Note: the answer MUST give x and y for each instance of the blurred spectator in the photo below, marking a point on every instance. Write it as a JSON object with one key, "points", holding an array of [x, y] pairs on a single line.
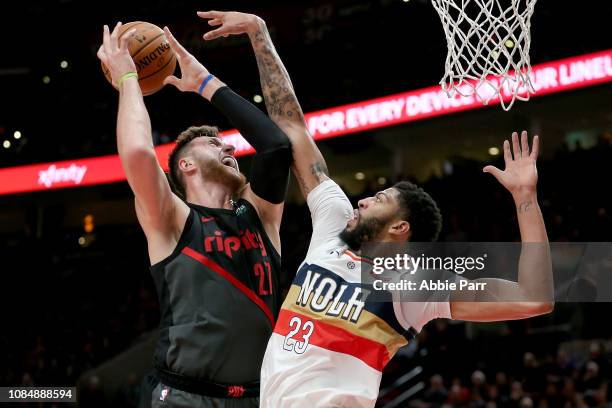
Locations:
{"points": [[533, 378], [129, 395], [516, 393], [590, 379], [526, 402], [93, 396], [596, 355], [437, 393]]}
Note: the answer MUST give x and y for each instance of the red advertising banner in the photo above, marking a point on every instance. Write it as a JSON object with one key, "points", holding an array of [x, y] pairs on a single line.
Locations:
{"points": [[552, 77]]}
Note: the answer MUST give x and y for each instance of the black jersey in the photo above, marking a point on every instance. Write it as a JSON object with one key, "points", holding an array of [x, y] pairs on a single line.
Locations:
{"points": [[218, 295]]}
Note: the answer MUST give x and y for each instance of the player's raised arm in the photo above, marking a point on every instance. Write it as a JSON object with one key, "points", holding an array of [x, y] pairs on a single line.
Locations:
{"points": [[283, 107], [533, 294], [156, 205], [270, 167]]}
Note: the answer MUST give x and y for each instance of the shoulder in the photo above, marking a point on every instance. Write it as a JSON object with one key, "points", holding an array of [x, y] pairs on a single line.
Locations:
{"points": [[327, 190], [169, 226], [330, 248], [248, 212]]}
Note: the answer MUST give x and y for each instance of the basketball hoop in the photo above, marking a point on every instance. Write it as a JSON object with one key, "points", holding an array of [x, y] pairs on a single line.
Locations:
{"points": [[488, 49]]}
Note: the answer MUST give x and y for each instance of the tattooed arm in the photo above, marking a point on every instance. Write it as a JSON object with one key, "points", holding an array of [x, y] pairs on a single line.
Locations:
{"points": [[533, 294], [283, 107]]}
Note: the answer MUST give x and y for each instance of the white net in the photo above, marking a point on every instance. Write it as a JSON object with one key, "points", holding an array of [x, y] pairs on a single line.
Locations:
{"points": [[488, 49]]}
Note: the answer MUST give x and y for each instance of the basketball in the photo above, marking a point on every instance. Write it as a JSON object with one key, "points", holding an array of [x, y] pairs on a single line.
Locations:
{"points": [[151, 53]]}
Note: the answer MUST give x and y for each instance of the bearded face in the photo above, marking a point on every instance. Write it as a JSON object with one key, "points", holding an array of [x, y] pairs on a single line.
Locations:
{"points": [[223, 170], [215, 162], [371, 219], [363, 229]]}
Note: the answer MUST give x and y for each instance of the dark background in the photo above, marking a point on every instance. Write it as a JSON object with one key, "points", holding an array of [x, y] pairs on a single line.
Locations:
{"points": [[337, 52], [67, 307]]}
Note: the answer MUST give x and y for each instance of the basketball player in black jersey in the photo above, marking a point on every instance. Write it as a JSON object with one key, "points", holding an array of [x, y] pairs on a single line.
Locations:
{"points": [[215, 262]]}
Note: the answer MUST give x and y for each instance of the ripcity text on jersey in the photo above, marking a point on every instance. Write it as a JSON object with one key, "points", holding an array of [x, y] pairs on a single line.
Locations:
{"points": [[218, 297]]}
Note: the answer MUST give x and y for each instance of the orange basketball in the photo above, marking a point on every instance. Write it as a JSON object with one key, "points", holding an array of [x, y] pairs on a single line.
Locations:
{"points": [[151, 53]]}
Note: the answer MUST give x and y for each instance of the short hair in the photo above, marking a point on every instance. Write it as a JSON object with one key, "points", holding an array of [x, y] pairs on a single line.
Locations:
{"points": [[175, 176], [420, 210]]}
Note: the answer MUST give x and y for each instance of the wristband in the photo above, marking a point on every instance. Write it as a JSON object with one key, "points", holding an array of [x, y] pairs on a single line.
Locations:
{"points": [[126, 76], [205, 82]]}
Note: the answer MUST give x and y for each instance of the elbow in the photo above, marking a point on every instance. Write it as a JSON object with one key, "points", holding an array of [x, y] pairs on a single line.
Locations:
{"points": [[541, 308], [549, 307], [281, 152], [284, 143], [276, 141], [293, 128]]}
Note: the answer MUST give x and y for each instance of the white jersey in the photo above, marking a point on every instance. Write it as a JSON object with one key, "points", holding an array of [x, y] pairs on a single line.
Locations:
{"points": [[329, 347]]}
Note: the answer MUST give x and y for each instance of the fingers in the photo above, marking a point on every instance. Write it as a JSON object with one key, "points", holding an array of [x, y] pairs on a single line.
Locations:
{"points": [[219, 32], [210, 14], [125, 38], [101, 54], [106, 39], [524, 144], [516, 150], [215, 22], [497, 173], [175, 45], [113, 37], [116, 29], [507, 154], [535, 148]]}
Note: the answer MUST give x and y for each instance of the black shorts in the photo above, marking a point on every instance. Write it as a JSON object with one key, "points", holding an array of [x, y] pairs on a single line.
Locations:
{"points": [[154, 394]]}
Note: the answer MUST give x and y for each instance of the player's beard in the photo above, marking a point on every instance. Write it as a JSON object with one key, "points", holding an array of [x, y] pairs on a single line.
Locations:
{"points": [[217, 171], [364, 231]]}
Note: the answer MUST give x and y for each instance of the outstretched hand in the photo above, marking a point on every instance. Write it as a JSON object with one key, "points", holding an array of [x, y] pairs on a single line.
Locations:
{"points": [[114, 52], [229, 23], [192, 71], [520, 174]]}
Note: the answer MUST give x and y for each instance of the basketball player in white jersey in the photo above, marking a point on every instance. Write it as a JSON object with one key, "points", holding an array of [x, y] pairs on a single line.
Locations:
{"points": [[329, 346]]}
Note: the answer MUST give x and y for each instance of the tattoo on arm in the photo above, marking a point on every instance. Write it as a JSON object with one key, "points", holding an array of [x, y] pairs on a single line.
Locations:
{"points": [[319, 170], [281, 102], [524, 207]]}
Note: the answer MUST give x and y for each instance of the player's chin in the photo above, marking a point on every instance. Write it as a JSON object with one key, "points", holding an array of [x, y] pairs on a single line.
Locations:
{"points": [[351, 224], [229, 175], [232, 172], [238, 180]]}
